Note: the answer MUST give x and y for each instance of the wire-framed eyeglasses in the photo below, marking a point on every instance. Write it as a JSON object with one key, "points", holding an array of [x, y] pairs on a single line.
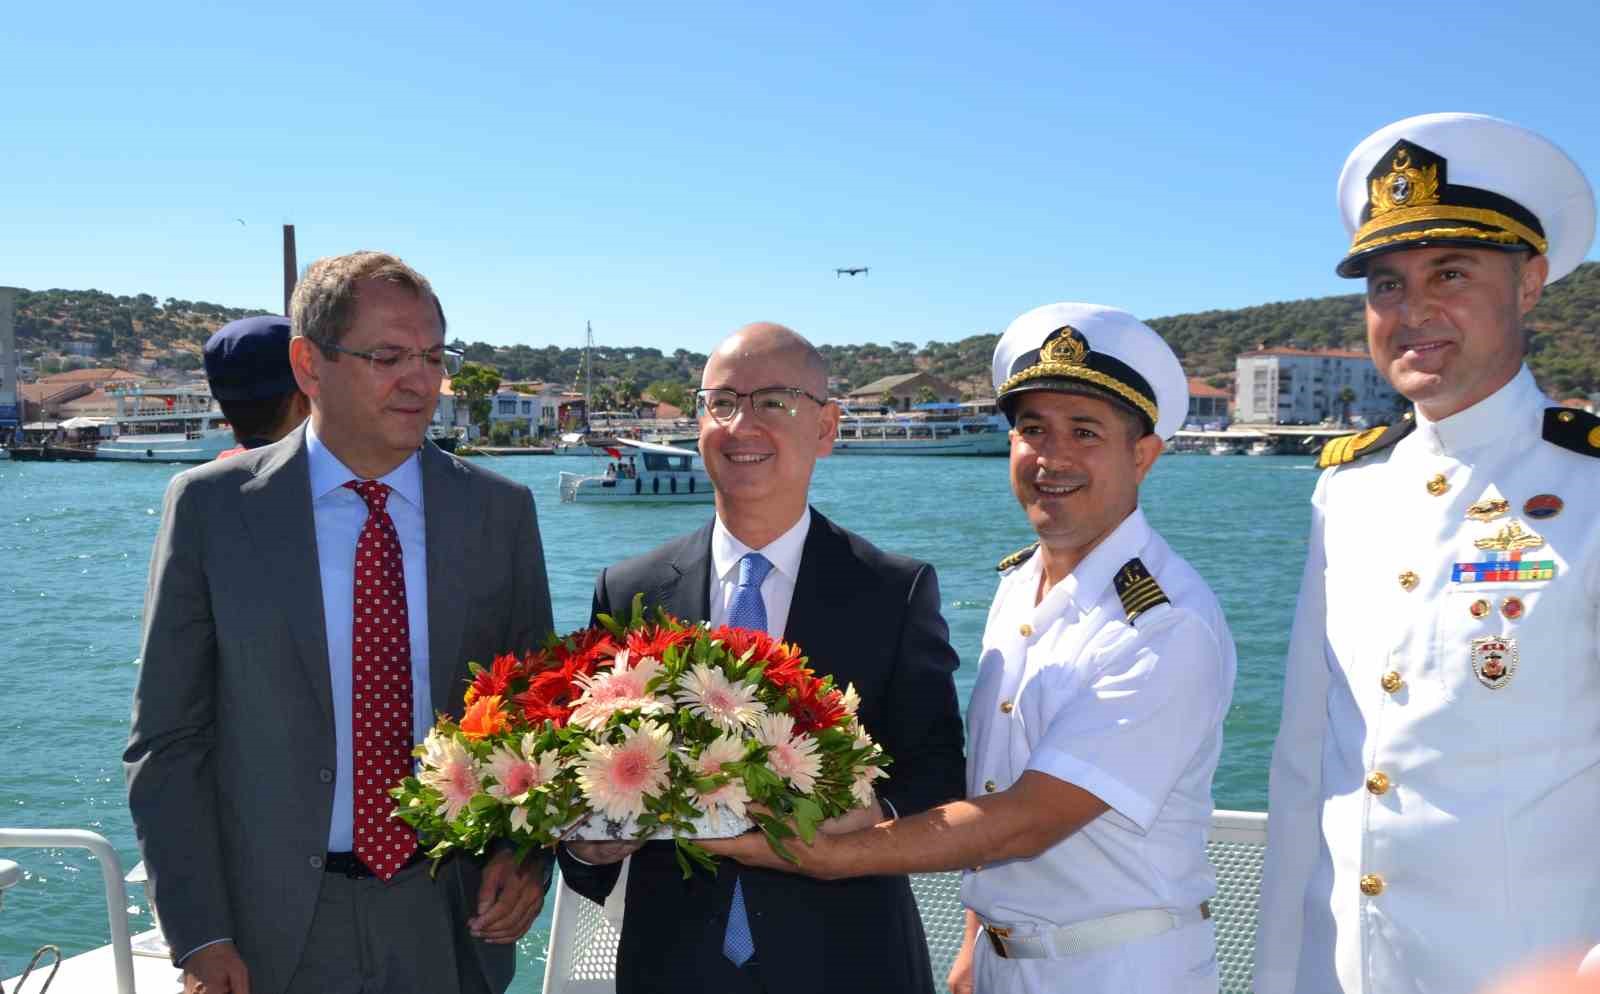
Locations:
{"points": [[387, 359], [769, 403]]}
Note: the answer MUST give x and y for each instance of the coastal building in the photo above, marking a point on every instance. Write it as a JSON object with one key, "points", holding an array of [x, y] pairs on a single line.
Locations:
{"points": [[1290, 385], [530, 408], [10, 401], [1208, 404], [902, 391], [451, 414]]}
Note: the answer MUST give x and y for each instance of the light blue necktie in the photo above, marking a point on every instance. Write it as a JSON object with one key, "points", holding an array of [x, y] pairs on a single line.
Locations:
{"points": [[746, 611]]}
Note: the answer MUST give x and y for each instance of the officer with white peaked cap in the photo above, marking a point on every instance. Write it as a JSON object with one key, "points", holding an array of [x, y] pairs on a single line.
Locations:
{"points": [[1436, 779], [1096, 721]]}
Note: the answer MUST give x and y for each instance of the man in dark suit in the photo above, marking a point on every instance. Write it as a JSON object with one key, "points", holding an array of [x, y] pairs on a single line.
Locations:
{"points": [[865, 616], [311, 604]]}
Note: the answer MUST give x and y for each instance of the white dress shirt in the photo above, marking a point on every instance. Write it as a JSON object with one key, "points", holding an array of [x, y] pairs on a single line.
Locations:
{"points": [[777, 589], [340, 514]]}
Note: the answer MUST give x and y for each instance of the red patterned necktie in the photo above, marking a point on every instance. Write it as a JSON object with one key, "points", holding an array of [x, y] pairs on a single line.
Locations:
{"points": [[381, 684]]}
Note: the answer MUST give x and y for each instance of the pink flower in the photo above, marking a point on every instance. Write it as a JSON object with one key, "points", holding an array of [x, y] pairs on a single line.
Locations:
{"points": [[710, 694], [731, 796], [793, 757], [616, 778], [620, 688], [448, 768], [518, 771]]}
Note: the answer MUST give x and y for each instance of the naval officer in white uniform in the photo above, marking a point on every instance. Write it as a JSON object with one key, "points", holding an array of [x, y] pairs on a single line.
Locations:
{"points": [[1096, 721], [1435, 788]]}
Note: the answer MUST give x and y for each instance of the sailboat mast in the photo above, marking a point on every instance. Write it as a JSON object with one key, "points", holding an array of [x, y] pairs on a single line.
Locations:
{"points": [[588, 367]]}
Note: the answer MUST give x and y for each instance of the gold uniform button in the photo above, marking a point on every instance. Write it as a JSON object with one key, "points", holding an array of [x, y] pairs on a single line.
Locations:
{"points": [[1377, 782], [1408, 580], [1438, 485], [1594, 438], [1006, 706], [1026, 630], [1392, 682], [1371, 884], [988, 786]]}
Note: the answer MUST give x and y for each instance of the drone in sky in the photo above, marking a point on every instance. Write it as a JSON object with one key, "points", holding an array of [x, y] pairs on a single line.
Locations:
{"points": [[850, 271]]}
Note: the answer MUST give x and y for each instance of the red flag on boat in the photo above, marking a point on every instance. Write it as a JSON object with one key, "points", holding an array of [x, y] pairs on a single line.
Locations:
{"points": [[613, 453]]}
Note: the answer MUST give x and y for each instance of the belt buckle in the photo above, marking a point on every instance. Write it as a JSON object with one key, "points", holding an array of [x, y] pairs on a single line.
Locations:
{"points": [[998, 934]]}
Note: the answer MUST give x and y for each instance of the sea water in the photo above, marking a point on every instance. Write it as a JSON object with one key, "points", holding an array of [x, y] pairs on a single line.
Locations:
{"points": [[75, 543]]}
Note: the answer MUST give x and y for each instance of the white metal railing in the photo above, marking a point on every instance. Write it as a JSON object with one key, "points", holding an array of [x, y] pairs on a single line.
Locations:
{"points": [[583, 942], [110, 872]]}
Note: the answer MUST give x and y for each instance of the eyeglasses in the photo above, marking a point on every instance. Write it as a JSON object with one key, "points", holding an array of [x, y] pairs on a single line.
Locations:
{"points": [[768, 403], [387, 359]]}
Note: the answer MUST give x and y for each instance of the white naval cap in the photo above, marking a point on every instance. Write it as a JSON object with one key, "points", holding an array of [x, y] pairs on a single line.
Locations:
{"points": [[1464, 179], [1076, 348]]}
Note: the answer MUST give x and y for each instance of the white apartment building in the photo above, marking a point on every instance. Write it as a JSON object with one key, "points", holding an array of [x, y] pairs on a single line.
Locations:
{"points": [[1288, 385], [528, 413]]}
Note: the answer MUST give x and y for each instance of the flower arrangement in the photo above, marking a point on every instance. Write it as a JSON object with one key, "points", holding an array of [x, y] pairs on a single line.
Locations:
{"points": [[651, 728]]}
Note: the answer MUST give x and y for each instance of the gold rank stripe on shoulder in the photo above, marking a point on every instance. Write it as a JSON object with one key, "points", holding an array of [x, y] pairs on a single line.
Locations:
{"points": [[1017, 558], [1137, 589], [1577, 431], [1349, 448]]}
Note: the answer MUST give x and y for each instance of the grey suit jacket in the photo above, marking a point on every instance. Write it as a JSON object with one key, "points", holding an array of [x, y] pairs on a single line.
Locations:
{"points": [[231, 755]]}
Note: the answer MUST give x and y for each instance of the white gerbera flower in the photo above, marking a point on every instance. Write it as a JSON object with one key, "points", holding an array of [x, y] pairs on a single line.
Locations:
{"points": [[616, 778], [448, 768], [793, 757], [620, 688], [710, 694]]}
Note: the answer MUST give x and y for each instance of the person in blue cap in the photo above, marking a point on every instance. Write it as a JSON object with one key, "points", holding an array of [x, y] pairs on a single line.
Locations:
{"points": [[247, 366]]}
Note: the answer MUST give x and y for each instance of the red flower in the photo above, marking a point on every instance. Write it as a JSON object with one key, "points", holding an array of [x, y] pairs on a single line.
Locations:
{"points": [[495, 680], [813, 708], [656, 639]]}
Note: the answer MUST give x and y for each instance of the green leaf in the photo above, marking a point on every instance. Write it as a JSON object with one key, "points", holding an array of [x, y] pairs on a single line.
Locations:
{"points": [[611, 625], [807, 816]]}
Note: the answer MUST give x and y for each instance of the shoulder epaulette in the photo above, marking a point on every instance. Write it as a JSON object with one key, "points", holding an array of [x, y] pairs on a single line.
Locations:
{"points": [[1572, 429], [1137, 589], [1017, 558], [1349, 448]]}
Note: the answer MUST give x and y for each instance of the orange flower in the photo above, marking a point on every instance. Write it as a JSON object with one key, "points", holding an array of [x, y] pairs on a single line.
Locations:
{"points": [[484, 718]]}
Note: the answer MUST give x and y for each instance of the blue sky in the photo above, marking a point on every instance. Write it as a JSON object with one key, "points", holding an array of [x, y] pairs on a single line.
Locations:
{"points": [[672, 171]]}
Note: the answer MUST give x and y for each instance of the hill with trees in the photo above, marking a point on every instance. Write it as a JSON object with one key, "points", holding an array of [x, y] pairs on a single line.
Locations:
{"points": [[1564, 348]]}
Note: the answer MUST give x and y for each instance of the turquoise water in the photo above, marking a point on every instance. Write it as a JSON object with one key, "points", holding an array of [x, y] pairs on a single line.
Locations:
{"points": [[75, 543]]}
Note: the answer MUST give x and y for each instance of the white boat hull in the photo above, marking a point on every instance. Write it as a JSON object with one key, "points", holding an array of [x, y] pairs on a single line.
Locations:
{"points": [[166, 448], [969, 445], [646, 489]]}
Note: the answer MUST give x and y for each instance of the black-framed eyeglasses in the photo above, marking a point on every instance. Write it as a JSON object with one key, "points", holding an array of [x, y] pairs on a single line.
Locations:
{"points": [[387, 359], [768, 403]]}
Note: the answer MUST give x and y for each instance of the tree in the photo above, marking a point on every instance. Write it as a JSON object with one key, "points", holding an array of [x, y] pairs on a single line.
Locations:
{"points": [[1346, 397], [628, 395], [475, 383], [925, 395], [669, 392], [887, 399]]}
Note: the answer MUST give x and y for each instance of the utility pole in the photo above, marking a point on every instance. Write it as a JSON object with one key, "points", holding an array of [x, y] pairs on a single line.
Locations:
{"points": [[290, 270]]}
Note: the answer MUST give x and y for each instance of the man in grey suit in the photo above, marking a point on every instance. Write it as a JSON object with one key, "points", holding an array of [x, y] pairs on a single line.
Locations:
{"points": [[312, 603]]}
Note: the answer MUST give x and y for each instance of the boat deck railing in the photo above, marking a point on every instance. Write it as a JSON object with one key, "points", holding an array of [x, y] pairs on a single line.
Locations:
{"points": [[583, 943]]}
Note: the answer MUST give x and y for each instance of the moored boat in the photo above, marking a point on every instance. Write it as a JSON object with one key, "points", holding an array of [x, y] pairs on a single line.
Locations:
{"points": [[646, 473], [165, 424], [924, 433]]}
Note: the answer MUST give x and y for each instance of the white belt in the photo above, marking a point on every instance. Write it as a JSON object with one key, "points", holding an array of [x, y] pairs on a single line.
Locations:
{"points": [[1031, 942]]}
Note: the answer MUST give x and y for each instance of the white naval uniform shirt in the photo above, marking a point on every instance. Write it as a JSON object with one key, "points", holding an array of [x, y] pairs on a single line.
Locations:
{"points": [[1483, 830], [1132, 714]]}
